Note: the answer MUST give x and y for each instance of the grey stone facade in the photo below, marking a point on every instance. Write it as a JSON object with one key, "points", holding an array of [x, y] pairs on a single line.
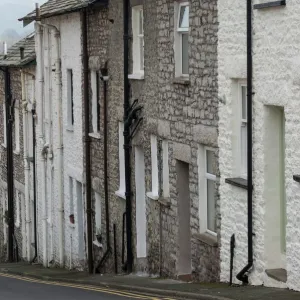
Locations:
{"points": [[185, 115]]}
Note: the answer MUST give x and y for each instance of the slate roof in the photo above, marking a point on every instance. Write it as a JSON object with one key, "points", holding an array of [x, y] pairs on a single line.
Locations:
{"points": [[13, 58], [59, 7]]}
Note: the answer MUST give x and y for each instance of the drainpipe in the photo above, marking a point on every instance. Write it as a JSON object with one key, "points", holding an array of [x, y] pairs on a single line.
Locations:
{"points": [[87, 141], [127, 138], [60, 142], [10, 171], [242, 276], [26, 167], [105, 78]]}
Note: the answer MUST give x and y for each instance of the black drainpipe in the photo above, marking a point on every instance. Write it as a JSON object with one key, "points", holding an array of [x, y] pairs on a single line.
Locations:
{"points": [[34, 185], [10, 165], [87, 141], [242, 276], [104, 77], [127, 138]]}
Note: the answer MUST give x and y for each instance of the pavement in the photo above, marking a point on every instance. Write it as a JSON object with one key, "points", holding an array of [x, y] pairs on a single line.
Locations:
{"points": [[130, 284]]}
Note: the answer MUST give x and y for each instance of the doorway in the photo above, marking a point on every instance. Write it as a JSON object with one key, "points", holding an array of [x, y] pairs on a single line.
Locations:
{"points": [[184, 211], [274, 189]]}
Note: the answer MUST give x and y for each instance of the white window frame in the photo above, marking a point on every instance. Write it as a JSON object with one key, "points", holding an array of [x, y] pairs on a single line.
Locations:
{"points": [[138, 43], [122, 189], [154, 194], [178, 33], [17, 128], [70, 100], [95, 102], [203, 177], [166, 179], [4, 144], [98, 215], [243, 123]]}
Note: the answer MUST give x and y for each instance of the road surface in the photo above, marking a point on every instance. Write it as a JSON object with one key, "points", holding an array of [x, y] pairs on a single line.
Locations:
{"points": [[22, 288]]}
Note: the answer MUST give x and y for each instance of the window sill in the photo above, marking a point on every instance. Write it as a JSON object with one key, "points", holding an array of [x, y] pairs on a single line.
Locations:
{"points": [[238, 182], [136, 76], [17, 224], [207, 239], [70, 128], [183, 80], [164, 201], [97, 244], [16, 152], [152, 196], [72, 226], [3, 145], [95, 135], [121, 194]]}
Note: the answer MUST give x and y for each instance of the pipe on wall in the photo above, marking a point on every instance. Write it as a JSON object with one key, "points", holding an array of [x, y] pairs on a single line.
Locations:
{"points": [[242, 276], [127, 138], [88, 184]]}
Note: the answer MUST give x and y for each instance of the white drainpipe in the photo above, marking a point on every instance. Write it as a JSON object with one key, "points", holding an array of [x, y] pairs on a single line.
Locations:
{"points": [[26, 168], [60, 140]]}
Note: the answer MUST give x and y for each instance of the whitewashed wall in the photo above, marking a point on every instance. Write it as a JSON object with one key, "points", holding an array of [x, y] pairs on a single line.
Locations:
{"points": [[276, 82]]}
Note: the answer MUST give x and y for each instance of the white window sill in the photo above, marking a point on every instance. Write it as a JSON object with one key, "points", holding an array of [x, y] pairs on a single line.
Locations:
{"points": [[97, 244], [121, 194], [153, 196], [95, 135], [183, 80], [17, 152], [17, 224], [137, 76], [71, 225], [70, 128], [3, 145], [207, 238]]}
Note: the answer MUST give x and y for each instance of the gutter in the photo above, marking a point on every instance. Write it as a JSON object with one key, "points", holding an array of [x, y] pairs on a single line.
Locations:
{"points": [[242, 276]]}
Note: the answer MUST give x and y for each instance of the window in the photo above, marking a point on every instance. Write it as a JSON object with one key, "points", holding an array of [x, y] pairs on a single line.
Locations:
{"points": [[165, 153], [95, 102], [70, 99], [17, 211], [207, 180], [17, 129], [138, 42], [4, 125], [244, 128], [154, 164], [181, 37], [121, 191], [71, 193], [98, 213]]}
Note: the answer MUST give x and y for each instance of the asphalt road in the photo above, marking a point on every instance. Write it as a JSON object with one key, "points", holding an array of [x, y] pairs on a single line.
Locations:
{"points": [[20, 288]]}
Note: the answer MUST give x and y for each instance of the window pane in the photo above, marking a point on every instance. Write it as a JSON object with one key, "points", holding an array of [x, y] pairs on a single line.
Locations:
{"points": [[142, 53], [211, 206], [184, 17], [185, 54], [244, 148], [210, 162], [141, 21], [244, 102]]}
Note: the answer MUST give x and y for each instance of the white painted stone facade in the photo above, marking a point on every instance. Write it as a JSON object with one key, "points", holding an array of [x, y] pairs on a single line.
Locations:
{"points": [[69, 27], [276, 83]]}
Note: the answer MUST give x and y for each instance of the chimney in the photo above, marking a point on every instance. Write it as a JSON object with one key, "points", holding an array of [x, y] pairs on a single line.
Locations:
{"points": [[37, 12], [22, 52], [5, 49]]}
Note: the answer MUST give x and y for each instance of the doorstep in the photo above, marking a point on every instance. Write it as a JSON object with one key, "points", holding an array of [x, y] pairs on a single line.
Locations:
{"points": [[277, 274]]}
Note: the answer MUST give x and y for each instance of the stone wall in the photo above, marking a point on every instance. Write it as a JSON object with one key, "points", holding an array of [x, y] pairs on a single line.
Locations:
{"points": [[185, 115]]}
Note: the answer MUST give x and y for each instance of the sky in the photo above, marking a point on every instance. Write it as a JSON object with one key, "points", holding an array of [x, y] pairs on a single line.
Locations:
{"points": [[12, 10]]}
